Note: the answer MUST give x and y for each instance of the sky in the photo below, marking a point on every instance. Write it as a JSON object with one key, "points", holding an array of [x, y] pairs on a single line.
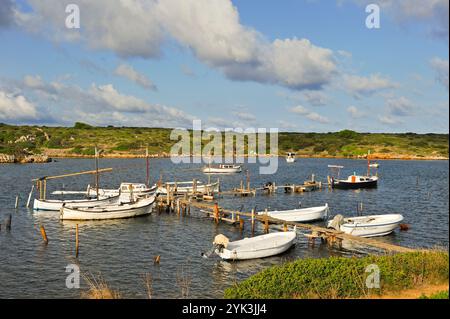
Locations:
{"points": [[295, 65]]}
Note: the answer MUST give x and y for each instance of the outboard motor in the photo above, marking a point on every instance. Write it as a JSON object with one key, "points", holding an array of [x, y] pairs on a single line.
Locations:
{"points": [[336, 222]]}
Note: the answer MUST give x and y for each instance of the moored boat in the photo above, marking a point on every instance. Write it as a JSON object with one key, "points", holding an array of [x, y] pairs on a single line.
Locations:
{"points": [[223, 169], [256, 247], [55, 204], [300, 215], [290, 158], [142, 206], [188, 187], [355, 182], [366, 226]]}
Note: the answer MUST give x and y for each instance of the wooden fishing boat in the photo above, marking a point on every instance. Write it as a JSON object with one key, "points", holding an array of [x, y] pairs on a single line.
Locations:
{"points": [[300, 214], [256, 247], [124, 188], [188, 187], [355, 181], [290, 158], [366, 226], [223, 169], [55, 205], [142, 206]]}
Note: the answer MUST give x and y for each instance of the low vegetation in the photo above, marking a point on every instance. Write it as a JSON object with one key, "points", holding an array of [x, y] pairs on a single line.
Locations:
{"points": [[339, 277], [81, 139]]}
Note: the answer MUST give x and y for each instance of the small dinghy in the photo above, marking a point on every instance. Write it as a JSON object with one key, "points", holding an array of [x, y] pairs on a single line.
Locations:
{"points": [[140, 207], [55, 205], [255, 247], [366, 226], [300, 214], [290, 157]]}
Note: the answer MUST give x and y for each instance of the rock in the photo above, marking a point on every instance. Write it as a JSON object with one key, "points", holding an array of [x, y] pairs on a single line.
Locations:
{"points": [[4, 158], [36, 159]]}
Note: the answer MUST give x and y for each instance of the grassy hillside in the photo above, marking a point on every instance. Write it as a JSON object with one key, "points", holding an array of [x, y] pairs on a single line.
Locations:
{"points": [[81, 139], [339, 277]]}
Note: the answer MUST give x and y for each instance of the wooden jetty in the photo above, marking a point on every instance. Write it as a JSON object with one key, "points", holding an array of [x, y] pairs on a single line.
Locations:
{"points": [[330, 236]]}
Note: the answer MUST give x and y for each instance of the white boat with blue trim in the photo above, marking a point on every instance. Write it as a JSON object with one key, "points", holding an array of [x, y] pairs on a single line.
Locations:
{"points": [[366, 226], [299, 215]]}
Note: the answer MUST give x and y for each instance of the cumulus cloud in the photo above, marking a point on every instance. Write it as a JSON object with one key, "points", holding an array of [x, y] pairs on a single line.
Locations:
{"points": [[355, 112], [210, 29], [360, 86], [128, 72], [400, 106], [440, 66], [432, 13], [100, 101], [313, 116], [16, 107]]}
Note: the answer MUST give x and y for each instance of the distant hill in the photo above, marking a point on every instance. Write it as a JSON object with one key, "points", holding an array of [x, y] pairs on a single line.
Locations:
{"points": [[81, 139]]}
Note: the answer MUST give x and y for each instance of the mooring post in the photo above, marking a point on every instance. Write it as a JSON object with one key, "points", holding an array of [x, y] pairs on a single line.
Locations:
{"points": [[44, 234], [76, 241], [29, 195], [216, 212], [285, 228], [178, 207], [266, 223], [253, 220], [8, 222], [17, 202]]}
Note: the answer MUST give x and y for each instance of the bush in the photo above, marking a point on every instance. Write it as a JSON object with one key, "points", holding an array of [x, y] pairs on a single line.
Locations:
{"points": [[80, 125], [340, 277]]}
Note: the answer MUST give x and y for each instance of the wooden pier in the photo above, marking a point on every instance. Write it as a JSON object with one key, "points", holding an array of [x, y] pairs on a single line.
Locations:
{"points": [[330, 236]]}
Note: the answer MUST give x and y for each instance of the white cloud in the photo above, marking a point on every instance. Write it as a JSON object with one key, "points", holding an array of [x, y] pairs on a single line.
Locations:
{"points": [[14, 107], [128, 72], [245, 116], [315, 98], [388, 120], [354, 112], [432, 13], [365, 86], [400, 106], [313, 116], [441, 67], [209, 28]]}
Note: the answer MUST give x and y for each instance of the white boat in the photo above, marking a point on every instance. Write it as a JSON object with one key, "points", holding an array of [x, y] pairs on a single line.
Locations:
{"points": [[300, 214], [223, 169], [255, 247], [142, 206], [374, 165], [366, 226], [188, 187], [290, 158], [55, 205], [124, 188]]}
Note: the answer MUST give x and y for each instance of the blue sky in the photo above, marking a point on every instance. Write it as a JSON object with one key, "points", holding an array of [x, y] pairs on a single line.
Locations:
{"points": [[309, 65]]}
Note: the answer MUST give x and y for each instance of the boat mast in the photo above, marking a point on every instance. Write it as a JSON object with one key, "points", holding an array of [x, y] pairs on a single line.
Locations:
{"points": [[368, 163], [96, 171], [147, 168]]}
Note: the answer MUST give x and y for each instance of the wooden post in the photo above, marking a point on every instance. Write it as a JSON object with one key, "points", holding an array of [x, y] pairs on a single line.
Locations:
{"points": [[248, 180], [44, 191], [8, 222], [241, 224], [285, 228], [216, 212], [266, 223], [76, 241], [17, 202], [29, 195], [253, 220], [194, 186], [178, 207], [44, 235]]}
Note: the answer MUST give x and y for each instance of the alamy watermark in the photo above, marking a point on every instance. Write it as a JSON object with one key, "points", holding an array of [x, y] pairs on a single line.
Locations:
{"points": [[373, 277], [73, 17], [73, 279], [212, 145], [373, 19]]}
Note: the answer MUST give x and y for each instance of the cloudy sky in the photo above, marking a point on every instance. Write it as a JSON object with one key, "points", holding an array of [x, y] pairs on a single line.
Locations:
{"points": [[299, 65]]}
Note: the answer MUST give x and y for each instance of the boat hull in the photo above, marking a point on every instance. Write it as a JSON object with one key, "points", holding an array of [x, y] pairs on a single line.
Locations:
{"points": [[300, 215], [355, 185], [103, 213], [214, 188], [55, 205], [215, 170], [374, 229], [280, 245]]}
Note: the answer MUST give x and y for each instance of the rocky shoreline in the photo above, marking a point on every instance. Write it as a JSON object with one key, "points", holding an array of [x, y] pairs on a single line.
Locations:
{"points": [[10, 159]]}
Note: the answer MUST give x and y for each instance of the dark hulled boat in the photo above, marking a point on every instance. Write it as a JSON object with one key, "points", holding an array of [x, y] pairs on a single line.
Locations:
{"points": [[355, 182]]}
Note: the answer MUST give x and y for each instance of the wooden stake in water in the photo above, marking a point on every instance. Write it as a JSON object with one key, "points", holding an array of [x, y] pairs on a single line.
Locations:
{"points": [[216, 213], [29, 195], [17, 202], [253, 220], [44, 235], [76, 241], [8, 222]]}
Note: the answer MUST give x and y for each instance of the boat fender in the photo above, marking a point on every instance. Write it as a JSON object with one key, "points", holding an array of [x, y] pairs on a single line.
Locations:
{"points": [[221, 240]]}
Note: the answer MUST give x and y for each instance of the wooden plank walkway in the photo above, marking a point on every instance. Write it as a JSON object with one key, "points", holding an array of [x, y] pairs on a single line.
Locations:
{"points": [[316, 230]]}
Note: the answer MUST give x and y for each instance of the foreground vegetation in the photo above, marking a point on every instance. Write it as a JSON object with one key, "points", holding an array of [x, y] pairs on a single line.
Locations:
{"points": [[339, 277], [80, 140]]}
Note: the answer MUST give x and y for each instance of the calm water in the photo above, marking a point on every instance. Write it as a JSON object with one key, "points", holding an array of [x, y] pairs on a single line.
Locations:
{"points": [[122, 251]]}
